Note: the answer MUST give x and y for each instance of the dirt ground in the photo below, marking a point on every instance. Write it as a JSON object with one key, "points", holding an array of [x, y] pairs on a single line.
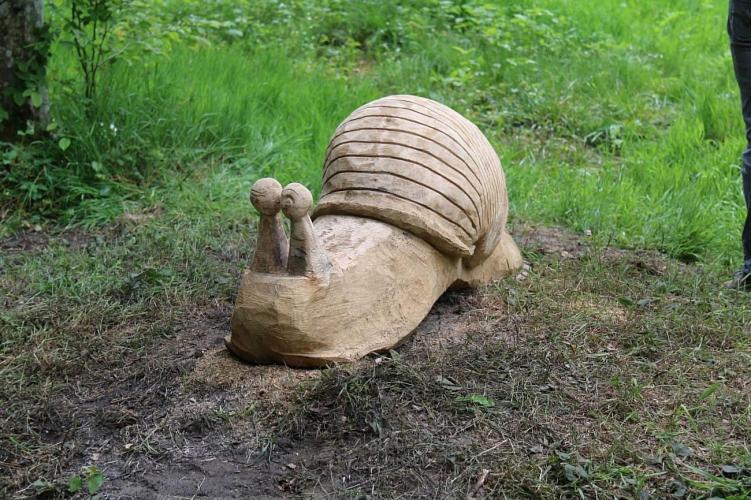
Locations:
{"points": [[186, 419], [507, 391]]}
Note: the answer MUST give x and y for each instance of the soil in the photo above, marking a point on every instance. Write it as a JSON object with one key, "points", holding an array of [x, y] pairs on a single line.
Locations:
{"points": [[182, 418], [34, 241], [160, 422], [155, 425]]}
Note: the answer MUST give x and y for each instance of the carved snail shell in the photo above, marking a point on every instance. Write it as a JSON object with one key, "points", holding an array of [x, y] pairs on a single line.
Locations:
{"points": [[413, 202]]}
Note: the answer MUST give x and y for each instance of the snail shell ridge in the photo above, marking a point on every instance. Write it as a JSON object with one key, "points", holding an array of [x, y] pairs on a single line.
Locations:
{"points": [[418, 165]]}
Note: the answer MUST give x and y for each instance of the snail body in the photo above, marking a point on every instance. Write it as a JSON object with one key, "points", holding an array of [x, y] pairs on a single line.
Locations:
{"points": [[413, 201]]}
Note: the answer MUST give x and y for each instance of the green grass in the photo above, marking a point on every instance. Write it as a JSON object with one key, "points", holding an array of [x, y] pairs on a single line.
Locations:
{"points": [[619, 118], [622, 119], [606, 373]]}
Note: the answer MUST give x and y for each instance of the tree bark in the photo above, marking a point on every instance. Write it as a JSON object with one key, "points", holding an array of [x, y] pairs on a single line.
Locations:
{"points": [[24, 47]]}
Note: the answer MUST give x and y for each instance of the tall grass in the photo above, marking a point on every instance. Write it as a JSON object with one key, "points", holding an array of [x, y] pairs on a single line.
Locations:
{"points": [[619, 117]]}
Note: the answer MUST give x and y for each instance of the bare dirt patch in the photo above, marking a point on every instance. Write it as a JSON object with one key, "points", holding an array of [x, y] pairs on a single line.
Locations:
{"points": [[188, 419], [33, 241], [600, 372]]}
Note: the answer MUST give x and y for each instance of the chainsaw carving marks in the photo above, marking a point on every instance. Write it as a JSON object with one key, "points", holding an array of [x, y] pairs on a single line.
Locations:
{"points": [[413, 201]]}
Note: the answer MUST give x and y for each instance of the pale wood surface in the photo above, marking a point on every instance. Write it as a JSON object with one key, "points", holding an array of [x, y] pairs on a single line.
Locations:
{"points": [[421, 166], [265, 195], [413, 202]]}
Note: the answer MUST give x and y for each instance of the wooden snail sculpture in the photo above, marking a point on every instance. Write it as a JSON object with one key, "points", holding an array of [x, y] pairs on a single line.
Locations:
{"points": [[413, 202]]}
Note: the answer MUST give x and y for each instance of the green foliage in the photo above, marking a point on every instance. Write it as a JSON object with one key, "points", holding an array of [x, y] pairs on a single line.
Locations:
{"points": [[90, 25], [477, 400], [75, 483], [601, 123], [91, 476], [30, 76], [32, 71]]}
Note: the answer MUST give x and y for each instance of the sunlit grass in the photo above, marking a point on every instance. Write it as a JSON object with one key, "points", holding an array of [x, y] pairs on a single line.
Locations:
{"points": [[621, 119]]}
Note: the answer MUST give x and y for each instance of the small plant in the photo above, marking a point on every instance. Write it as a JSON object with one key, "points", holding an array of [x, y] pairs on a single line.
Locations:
{"points": [[91, 476], [90, 24], [476, 400]]}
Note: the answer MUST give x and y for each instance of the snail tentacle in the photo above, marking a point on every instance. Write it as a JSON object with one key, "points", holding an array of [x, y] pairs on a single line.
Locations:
{"points": [[306, 256], [272, 245]]}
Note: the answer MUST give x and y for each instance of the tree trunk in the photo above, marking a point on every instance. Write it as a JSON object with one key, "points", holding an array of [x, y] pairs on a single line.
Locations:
{"points": [[24, 46]]}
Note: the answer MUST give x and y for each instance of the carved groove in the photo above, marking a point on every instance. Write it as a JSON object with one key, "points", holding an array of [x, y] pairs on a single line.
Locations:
{"points": [[404, 177], [349, 155], [439, 116], [467, 129], [402, 198], [463, 146], [456, 120], [405, 160], [343, 132], [424, 125], [428, 164]]}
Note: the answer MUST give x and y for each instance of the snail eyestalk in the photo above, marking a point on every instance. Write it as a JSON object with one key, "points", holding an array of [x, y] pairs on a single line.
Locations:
{"points": [[271, 245], [306, 256]]}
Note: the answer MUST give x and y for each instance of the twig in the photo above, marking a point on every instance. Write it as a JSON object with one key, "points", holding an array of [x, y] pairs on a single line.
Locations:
{"points": [[478, 485]]}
